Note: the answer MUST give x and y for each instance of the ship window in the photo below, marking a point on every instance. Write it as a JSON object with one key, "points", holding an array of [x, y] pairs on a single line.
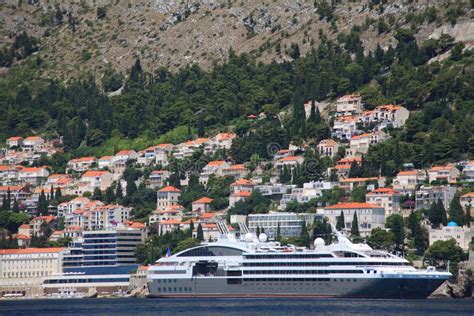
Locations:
{"points": [[211, 251]]}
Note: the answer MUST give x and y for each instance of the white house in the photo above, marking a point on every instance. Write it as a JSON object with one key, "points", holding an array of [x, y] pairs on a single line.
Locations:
{"points": [[407, 181], [33, 175], [213, 167], [387, 198], [462, 235], [344, 127], [125, 155], [359, 144], [447, 173], [468, 171], [350, 104], [369, 216], [163, 153], [328, 148], [32, 143], [158, 178], [96, 179], [105, 162], [290, 161], [167, 197], [202, 205], [15, 141], [81, 164], [385, 115], [238, 196]]}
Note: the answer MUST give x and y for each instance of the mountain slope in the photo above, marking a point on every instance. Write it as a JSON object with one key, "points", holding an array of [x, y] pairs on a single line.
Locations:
{"points": [[77, 38]]}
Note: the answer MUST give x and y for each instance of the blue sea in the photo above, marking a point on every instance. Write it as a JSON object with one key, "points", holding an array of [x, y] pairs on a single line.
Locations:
{"points": [[135, 306]]}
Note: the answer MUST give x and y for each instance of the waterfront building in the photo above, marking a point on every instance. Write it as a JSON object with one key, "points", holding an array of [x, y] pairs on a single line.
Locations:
{"points": [[290, 223], [369, 215], [463, 235]]}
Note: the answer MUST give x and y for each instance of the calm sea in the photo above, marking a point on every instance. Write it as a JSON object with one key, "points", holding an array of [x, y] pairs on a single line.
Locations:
{"points": [[134, 306]]}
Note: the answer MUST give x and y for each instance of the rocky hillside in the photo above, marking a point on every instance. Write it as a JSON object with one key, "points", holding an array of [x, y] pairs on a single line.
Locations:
{"points": [[81, 36]]}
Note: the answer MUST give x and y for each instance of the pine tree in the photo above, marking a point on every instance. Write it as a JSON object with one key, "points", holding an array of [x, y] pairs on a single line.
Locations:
{"points": [[16, 207], [51, 192], [42, 204], [5, 206], [355, 226], [397, 159], [468, 215], [9, 199], [456, 213], [278, 233], [258, 231], [434, 215], [97, 194], [312, 114], [191, 228], [109, 196], [58, 195], [201, 127], [442, 211], [200, 233], [118, 192], [131, 188], [340, 224]]}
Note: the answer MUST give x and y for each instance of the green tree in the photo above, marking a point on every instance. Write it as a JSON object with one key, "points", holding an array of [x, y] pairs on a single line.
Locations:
{"points": [[395, 223], [200, 233], [381, 239], [358, 193], [440, 252], [341, 222], [109, 196], [456, 213], [97, 194], [42, 204], [355, 226], [58, 194], [119, 192]]}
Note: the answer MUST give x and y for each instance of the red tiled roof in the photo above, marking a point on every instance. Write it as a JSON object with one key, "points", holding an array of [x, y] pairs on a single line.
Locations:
{"points": [[82, 159], [203, 200], [30, 250], [94, 173], [242, 194], [384, 191], [169, 188], [215, 163], [32, 138], [242, 182], [170, 222], [124, 152], [11, 187], [358, 179], [14, 138], [291, 158], [352, 205]]}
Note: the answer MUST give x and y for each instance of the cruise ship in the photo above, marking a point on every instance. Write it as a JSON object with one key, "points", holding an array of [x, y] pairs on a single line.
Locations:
{"points": [[255, 267]]}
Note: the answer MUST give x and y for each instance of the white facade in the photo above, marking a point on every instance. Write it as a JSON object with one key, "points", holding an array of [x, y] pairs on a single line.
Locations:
{"points": [[328, 148], [462, 235], [30, 263], [349, 105], [290, 223], [408, 181], [387, 198], [369, 216]]}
